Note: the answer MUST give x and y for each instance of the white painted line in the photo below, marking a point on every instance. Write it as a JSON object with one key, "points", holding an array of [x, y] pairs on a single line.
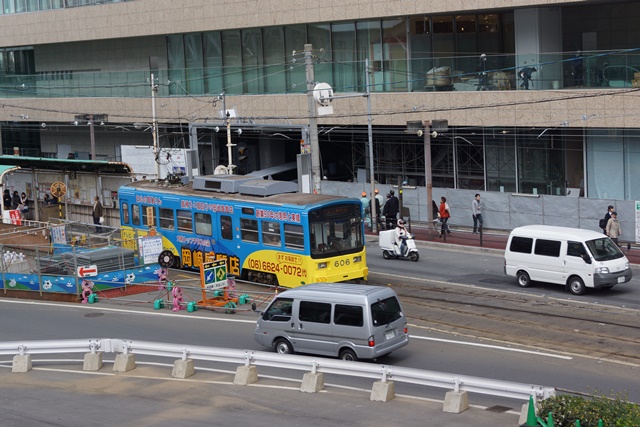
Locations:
{"points": [[97, 307], [496, 347]]}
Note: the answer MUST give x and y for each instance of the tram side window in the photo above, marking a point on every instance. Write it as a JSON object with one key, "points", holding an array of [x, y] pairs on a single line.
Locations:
{"points": [[166, 219], [293, 236], [249, 230], [185, 223], [135, 214], [203, 224], [271, 233], [148, 216], [125, 213], [226, 227]]}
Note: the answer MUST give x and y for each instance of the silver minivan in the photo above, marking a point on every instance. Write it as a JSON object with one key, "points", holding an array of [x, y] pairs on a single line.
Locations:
{"points": [[334, 319]]}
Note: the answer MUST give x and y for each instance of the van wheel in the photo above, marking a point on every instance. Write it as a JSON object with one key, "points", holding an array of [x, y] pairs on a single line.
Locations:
{"points": [[386, 255], [414, 256], [348, 355], [576, 286], [282, 346], [524, 281]]}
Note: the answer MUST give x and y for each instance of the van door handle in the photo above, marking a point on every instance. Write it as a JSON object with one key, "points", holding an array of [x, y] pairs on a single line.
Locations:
{"points": [[293, 325]]}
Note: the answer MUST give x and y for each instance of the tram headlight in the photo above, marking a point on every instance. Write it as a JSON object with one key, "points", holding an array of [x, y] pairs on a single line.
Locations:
{"points": [[357, 258], [322, 265]]}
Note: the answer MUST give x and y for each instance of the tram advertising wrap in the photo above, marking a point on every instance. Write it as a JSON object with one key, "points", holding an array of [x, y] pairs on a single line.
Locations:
{"points": [[285, 239]]}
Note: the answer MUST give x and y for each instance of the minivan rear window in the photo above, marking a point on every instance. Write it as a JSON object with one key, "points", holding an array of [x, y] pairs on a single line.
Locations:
{"points": [[521, 245], [385, 311]]}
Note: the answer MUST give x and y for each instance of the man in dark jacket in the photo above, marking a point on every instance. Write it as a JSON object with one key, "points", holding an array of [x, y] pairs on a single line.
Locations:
{"points": [[97, 214], [390, 210], [525, 76], [605, 220]]}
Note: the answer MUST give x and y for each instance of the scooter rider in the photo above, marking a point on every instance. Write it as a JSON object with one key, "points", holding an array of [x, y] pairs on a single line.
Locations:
{"points": [[401, 236]]}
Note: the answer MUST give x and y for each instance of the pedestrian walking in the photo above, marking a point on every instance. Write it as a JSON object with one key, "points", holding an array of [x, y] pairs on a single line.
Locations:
{"points": [[390, 210], [604, 221], [477, 215], [444, 214], [97, 214], [23, 207], [613, 227], [366, 209]]}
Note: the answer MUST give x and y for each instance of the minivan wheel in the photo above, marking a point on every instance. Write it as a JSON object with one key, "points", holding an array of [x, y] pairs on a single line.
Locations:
{"points": [[348, 355], [282, 346], [576, 286], [524, 281]]}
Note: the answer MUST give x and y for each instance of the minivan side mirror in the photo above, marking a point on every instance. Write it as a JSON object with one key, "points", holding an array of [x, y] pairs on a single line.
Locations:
{"points": [[586, 258]]}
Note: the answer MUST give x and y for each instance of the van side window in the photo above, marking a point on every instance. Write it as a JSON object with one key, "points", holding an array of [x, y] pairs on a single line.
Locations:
{"points": [[316, 312], [521, 244], [547, 247], [385, 311], [576, 249], [348, 315], [279, 310]]}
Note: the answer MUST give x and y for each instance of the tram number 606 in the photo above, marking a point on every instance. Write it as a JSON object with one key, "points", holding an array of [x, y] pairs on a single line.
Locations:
{"points": [[342, 263]]}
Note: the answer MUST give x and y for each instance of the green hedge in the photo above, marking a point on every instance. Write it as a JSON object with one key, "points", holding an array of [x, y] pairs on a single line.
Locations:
{"points": [[614, 411]]}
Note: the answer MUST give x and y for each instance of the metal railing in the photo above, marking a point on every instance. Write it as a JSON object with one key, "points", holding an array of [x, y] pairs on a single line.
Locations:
{"points": [[295, 362]]}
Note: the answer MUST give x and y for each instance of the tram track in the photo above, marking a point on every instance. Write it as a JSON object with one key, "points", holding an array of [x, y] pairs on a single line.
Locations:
{"points": [[569, 326]]}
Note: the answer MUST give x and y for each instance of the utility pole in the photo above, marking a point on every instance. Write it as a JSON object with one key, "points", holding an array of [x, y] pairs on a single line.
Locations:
{"points": [[374, 219], [427, 170], [313, 122], [92, 137], [154, 126]]}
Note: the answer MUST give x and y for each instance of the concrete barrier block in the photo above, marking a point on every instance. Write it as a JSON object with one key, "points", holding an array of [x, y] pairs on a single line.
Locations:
{"points": [[21, 363], [246, 375], [124, 362], [456, 402], [92, 361], [383, 391], [312, 382], [183, 368]]}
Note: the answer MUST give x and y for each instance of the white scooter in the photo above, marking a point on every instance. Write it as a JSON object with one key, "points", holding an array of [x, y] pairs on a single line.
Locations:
{"points": [[390, 249]]}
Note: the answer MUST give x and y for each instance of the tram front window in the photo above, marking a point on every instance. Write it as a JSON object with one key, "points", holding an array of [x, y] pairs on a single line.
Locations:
{"points": [[336, 237]]}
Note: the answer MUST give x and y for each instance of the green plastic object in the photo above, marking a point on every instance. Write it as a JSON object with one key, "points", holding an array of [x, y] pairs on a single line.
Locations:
{"points": [[230, 307], [191, 307], [218, 293], [158, 304], [243, 299], [169, 286], [93, 298]]}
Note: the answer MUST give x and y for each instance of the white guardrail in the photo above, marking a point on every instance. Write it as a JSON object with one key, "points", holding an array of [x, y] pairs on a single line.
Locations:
{"points": [[383, 373]]}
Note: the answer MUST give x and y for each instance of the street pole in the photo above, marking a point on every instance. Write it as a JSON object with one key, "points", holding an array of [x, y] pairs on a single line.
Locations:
{"points": [[154, 126], [313, 122], [427, 170], [230, 166], [370, 135], [92, 137]]}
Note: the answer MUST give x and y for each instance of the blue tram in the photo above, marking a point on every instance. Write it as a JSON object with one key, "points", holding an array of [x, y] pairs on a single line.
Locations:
{"points": [[266, 232]]}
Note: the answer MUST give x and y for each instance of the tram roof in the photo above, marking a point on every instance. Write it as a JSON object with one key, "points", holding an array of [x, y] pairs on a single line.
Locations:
{"points": [[90, 166], [300, 199]]}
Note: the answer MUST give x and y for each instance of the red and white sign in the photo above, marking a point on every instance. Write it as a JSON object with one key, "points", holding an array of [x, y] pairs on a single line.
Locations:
{"points": [[11, 217], [88, 271]]}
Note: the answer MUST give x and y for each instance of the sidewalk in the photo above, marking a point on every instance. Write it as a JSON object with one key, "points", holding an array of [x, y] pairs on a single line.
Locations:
{"points": [[489, 239]]}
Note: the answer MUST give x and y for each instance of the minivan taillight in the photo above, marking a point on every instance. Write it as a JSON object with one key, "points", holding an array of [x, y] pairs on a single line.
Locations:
{"points": [[372, 341], [406, 329]]}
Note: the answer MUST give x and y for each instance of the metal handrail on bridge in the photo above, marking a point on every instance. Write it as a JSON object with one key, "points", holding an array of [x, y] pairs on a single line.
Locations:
{"points": [[383, 373]]}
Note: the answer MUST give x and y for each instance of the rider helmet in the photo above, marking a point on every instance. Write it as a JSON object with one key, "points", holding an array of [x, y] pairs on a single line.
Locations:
{"points": [[401, 222]]}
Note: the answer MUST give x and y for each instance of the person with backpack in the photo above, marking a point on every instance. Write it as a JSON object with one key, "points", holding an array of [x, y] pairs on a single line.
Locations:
{"points": [[604, 221]]}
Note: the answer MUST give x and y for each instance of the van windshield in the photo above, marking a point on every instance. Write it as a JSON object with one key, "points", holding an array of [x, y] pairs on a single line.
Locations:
{"points": [[385, 311], [604, 249]]}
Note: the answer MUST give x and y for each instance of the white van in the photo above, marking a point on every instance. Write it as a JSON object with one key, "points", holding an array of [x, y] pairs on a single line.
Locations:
{"points": [[334, 319], [573, 257]]}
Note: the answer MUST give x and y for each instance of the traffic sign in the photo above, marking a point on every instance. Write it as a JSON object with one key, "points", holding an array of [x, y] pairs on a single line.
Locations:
{"points": [[213, 275], [88, 271]]}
